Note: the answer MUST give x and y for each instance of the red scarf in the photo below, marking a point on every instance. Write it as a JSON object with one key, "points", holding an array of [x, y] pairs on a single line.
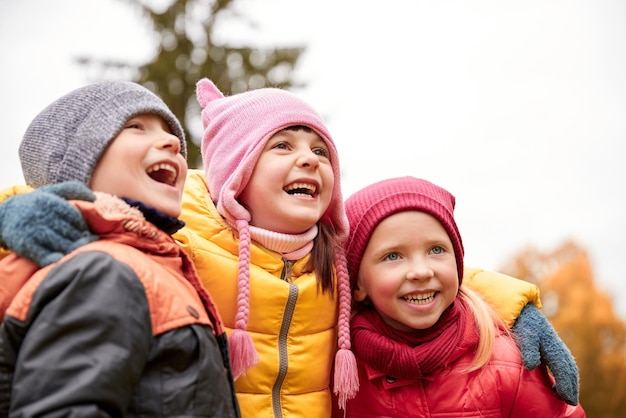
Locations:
{"points": [[415, 354]]}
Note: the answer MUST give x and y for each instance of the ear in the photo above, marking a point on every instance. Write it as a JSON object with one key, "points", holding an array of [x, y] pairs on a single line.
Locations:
{"points": [[359, 291]]}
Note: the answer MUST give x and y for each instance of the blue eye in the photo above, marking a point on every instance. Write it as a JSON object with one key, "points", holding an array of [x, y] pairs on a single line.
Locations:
{"points": [[437, 250], [392, 256]]}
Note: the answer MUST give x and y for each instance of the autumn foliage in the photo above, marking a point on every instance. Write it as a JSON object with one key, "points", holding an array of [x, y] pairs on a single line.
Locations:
{"points": [[585, 319]]}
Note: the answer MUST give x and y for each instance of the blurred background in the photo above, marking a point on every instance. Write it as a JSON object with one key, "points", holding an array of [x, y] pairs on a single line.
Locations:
{"points": [[517, 107]]}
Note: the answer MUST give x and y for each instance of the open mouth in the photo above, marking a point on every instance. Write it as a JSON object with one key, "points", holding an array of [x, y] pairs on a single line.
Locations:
{"points": [[163, 173], [301, 189]]}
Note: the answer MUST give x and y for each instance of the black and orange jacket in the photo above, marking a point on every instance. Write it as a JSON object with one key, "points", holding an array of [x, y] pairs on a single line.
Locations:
{"points": [[119, 327]]}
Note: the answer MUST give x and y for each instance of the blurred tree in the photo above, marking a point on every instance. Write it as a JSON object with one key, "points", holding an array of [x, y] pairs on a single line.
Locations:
{"points": [[585, 319], [187, 50]]}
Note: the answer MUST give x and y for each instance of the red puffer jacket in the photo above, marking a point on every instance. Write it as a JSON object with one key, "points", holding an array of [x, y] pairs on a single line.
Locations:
{"points": [[503, 388]]}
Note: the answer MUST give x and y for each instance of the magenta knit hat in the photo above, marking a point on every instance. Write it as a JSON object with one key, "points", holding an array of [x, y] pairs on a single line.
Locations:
{"points": [[236, 129], [370, 205]]}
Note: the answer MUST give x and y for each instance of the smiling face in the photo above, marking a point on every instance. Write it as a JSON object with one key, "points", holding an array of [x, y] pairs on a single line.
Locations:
{"points": [[143, 163], [408, 271], [292, 182]]}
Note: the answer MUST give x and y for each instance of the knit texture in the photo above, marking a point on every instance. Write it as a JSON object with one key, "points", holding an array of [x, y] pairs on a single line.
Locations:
{"points": [[236, 129], [418, 353], [66, 140], [369, 206]]}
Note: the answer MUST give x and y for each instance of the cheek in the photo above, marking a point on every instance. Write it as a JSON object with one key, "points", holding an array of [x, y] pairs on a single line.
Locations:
{"points": [[330, 179], [183, 167], [383, 288], [329, 188], [371, 283], [450, 276]]}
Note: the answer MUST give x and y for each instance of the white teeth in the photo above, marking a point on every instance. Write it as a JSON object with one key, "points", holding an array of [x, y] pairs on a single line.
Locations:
{"points": [[420, 299], [161, 166], [302, 186]]}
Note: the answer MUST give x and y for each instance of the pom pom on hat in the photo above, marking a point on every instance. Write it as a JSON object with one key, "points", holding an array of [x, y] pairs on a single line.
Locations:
{"points": [[66, 140], [236, 129], [370, 205]]}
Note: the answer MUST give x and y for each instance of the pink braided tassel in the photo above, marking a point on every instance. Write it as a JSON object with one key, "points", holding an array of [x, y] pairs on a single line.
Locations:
{"points": [[242, 352], [346, 383]]}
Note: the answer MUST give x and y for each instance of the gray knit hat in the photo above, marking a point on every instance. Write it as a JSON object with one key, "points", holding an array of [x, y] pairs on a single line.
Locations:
{"points": [[66, 140]]}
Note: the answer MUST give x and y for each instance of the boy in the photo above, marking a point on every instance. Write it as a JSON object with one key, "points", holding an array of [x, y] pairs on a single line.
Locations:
{"points": [[120, 326]]}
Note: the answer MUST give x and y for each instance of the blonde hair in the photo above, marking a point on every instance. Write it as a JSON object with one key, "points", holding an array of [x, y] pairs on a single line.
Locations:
{"points": [[489, 325]]}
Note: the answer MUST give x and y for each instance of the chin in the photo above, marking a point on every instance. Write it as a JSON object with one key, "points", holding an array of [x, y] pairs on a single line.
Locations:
{"points": [[174, 213], [173, 210]]}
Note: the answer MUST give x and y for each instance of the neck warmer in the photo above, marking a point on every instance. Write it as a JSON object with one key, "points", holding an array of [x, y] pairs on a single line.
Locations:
{"points": [[291, 246], [415, 354], [165, 223]]}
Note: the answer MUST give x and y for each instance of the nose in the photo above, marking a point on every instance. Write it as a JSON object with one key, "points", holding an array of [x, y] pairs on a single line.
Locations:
{"points": [[307, 158], [170, 142], [419, 270]]}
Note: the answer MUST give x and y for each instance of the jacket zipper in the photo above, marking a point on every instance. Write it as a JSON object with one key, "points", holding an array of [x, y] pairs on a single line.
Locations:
{"points": [[282, 337]]}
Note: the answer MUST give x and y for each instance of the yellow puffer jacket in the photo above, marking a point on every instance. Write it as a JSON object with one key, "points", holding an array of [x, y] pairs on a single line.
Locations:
{"points": [[12, 190], [292, 325], [506, 294]]}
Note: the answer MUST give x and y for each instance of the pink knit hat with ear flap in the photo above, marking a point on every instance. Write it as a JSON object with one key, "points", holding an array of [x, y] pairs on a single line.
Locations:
{"points": [[236, 129]]}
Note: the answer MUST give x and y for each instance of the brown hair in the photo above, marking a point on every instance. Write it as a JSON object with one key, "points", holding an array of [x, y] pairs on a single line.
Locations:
{"points": [[322, 258]]}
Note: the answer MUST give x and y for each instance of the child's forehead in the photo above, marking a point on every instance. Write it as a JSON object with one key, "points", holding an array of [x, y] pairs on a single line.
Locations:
{"points": [[409, 216], [288, 130], [154, 117], [151, 116]]}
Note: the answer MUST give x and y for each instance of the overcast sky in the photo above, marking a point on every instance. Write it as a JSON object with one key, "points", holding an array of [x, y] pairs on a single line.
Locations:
{"points": [[517, 107]]}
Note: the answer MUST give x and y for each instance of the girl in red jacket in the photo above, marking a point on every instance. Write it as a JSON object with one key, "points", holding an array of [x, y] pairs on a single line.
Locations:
{"points": [[427, 346]]}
